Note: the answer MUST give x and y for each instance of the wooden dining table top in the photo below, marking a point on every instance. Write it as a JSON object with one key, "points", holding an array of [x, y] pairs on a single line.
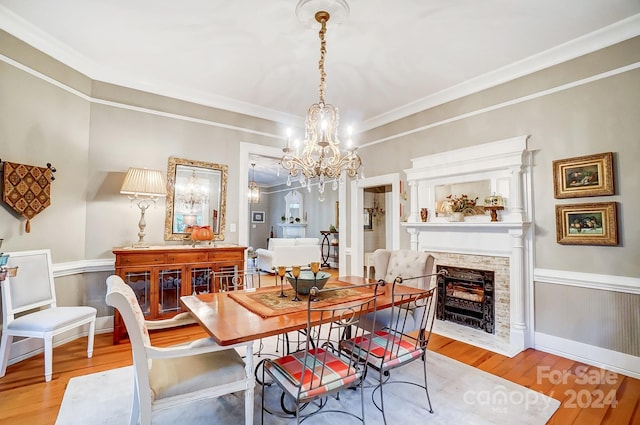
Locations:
{"points": [[228, 322]]}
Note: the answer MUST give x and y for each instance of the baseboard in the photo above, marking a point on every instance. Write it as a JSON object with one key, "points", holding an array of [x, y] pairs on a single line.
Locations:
{"points": [[29, 347], [614, 361]]}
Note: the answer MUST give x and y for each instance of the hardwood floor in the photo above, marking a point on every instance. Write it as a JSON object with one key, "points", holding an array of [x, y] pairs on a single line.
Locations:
{"points": [[589, 395]]}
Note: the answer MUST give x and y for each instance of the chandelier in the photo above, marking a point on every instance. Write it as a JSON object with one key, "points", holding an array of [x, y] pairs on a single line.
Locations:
{"points": [[254, 190], [193, 196], [321, 156]]}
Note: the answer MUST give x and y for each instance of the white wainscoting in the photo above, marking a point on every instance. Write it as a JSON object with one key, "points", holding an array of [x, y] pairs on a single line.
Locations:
{"points": [[597, 356]]}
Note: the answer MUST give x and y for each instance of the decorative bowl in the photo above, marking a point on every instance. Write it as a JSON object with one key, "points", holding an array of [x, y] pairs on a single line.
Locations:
{"points": [[306, 281]]}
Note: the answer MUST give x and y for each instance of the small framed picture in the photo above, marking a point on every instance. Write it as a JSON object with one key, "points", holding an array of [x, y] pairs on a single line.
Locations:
{"points": [[587, 224], [257, 216], [590, 175]]}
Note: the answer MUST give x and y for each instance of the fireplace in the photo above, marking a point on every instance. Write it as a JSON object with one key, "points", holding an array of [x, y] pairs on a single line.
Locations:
{"points": [[497, 314], [466, 297]]}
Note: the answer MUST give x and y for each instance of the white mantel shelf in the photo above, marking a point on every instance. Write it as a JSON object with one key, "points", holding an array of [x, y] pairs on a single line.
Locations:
{"points": [[293, 230], [468, 237], [467, 225]]}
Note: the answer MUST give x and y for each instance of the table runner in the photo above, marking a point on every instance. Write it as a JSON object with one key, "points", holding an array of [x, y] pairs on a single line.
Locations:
{"points": [[266, 302]]}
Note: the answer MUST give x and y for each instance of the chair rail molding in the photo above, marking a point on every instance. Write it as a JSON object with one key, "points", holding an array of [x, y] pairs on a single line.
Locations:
{"points": [[83, 266], [604, 282]]}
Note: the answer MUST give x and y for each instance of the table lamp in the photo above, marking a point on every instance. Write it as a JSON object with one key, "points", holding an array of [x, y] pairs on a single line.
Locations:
{"points": [[144, 186]]}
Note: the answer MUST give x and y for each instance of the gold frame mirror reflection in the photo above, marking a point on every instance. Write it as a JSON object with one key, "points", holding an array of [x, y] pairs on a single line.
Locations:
{"points": [[196, 196]]}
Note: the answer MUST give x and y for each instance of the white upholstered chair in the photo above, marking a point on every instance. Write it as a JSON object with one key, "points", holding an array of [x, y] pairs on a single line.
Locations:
{"points": [[170, 376], [405, 263], [29, 308]]}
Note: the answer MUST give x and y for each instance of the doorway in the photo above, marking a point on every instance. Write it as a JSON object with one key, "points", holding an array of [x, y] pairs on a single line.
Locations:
{"points": [[247, 152], [365, 218], [375, 200]]}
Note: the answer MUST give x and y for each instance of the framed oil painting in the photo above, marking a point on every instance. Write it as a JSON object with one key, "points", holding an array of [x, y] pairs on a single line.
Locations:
{"points": [[257, 216], [587, 224], [582, 176]]}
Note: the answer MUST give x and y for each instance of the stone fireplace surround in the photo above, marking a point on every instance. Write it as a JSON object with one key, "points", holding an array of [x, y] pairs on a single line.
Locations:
{"points": [[503, 247]]}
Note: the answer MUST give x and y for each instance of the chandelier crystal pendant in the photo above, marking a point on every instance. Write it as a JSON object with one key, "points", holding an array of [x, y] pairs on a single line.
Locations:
{"points": [[321, 156], [254, 190]]}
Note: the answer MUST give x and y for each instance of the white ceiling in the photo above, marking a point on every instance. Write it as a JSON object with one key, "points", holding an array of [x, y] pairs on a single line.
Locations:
{"points": [[386, 61]]}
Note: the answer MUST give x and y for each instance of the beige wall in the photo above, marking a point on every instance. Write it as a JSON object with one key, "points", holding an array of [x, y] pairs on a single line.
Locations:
{"points": [[41, 123], [595, 117], [92, 142], [582, 118]]}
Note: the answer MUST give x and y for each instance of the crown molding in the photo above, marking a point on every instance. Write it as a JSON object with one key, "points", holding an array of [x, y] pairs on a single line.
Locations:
{"points": [[41, 40], [607, 36], [612, 34]]}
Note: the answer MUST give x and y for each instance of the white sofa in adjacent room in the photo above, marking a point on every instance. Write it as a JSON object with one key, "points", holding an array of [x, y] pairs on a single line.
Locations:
{"points": [[288, 252]]}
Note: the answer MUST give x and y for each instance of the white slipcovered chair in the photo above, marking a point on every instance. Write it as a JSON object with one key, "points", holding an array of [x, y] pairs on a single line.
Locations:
{"points": [[29, 308], [405, 263], [171, 376]]}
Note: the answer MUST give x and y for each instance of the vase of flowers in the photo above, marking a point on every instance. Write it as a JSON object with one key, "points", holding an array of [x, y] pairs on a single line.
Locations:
{"points": [[459, 206]]}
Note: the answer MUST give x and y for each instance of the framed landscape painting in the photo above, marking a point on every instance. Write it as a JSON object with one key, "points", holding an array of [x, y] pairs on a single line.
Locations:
{"points": [[587, 224], [590, 175]]}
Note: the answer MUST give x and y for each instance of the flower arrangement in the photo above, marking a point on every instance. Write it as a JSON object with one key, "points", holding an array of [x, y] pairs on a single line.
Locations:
{"points": [[462, 203]]}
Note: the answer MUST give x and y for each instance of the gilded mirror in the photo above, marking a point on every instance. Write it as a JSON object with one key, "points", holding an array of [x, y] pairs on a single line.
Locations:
{"points": [[196, 196]]}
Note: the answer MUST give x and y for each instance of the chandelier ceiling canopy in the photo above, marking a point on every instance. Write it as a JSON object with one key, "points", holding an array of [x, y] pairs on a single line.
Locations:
{"points": [[321, 156]]}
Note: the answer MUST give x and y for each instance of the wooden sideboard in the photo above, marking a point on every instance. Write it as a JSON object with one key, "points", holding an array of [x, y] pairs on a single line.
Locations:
{"points": [[160, 275]]}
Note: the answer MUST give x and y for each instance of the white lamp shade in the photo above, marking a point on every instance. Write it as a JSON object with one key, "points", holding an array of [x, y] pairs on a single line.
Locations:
{"points": [[143, 182]]}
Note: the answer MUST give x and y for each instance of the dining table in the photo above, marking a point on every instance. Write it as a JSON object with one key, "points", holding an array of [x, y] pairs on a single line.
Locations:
{"points": [[229, 321]]}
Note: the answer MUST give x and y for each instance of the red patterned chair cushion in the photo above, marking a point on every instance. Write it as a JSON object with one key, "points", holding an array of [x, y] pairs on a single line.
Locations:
{"points": [[400, 350], [337, 372]]}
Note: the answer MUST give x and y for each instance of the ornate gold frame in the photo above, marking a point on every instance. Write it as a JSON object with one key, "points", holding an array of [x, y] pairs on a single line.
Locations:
{"points": [[573, 224], [169, 232], [574, 177]]}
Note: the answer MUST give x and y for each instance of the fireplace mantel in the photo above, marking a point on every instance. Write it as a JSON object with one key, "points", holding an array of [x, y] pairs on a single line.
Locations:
{"points": [[505, 164], [480, 238]]}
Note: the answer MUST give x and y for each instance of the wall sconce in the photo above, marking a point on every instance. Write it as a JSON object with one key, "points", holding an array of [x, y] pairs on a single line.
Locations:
{"points": [[144, 186]]}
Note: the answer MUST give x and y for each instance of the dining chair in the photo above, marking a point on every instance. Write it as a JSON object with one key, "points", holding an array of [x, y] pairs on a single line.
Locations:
{"points": [[165, 377], [407, 263], [400, 343], [29, 308], [322, 367]]}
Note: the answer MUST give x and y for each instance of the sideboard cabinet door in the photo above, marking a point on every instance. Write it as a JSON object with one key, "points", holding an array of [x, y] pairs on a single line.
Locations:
{"points": [[160, 275]]}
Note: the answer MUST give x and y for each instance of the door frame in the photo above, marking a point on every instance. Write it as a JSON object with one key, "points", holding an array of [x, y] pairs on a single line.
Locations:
{"points": [[247, 149], [355, 250]]}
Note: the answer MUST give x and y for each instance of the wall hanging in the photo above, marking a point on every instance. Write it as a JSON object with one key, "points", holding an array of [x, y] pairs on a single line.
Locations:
{"points": [[27, 188]]}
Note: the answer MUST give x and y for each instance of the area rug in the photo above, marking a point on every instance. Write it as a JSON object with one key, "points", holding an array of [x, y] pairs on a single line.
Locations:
{"points": [[460, 394]]}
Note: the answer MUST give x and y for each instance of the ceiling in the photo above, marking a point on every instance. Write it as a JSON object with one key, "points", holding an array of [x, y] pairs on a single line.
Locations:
{"points": [[387, 59]]}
